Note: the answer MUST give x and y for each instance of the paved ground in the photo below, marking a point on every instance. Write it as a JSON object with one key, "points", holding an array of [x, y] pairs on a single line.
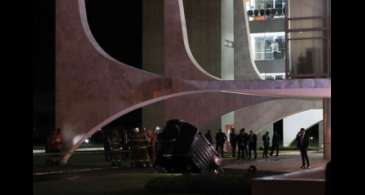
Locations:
{"points": [[286, 162], [88, 173]]}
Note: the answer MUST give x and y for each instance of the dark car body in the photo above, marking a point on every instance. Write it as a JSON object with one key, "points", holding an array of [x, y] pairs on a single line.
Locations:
{"points": [[181, 148]]}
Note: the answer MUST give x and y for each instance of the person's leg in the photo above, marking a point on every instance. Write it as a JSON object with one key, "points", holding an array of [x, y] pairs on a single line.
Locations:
{"points": [[267, 151], [277, 150], [249, 152], [222, 148], [233, 150], [306, 157], [238, 152], [243, 152], [150, 155], [272, 150], [107, 155], [255, 151], [302, 156]]}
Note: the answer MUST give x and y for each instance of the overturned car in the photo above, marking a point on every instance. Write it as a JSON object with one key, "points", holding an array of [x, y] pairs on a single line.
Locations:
{"points": [[181, 148]]}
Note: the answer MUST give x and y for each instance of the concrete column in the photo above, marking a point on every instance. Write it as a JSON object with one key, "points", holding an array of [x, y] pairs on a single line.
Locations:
{"points": [[153, 56], [320, 135], [227, 36], [227, 51], [244, 67], [327, 128]]}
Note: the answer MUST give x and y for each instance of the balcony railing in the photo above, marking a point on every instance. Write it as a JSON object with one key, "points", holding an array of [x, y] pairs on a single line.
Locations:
{"points": [[265, 14]]}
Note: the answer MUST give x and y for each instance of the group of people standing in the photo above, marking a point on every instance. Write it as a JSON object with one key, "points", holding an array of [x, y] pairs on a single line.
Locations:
{"points": [[138, 145], [274, 144], [246, 143]]}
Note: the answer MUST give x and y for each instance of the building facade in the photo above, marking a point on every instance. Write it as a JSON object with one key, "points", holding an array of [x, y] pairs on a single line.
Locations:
{"points": [[201, 61]]}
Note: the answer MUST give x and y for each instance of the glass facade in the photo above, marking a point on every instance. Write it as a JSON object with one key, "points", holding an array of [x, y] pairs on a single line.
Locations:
{"points": [[301, 49], [307, 29]]}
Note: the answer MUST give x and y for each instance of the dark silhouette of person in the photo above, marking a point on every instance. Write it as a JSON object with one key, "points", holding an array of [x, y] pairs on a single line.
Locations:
{"points": [[107, 146], [151, 142], [233, 141], [115, 147], [242, 144], [54, 147], [266, 141], [125, 145], [209, 137], [275, 143], [252, 143], [220, 139], [302, 144]]}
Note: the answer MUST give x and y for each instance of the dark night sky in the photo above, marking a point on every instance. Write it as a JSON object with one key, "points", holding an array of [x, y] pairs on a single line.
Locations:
{"points": [[116, 25]]}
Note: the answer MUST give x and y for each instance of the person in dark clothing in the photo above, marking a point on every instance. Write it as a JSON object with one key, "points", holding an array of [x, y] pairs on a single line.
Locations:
{"points": [[275, 144], [242, 144], [54, 147], [266, 141], [220, 139], [107, 146], [233, 141], [252, 140], [302, 144], [245, 143], [209, 137], [151, 142]]}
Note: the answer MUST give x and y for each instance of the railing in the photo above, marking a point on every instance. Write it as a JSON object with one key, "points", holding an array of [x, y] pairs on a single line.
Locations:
{"points": [[266, 14]]}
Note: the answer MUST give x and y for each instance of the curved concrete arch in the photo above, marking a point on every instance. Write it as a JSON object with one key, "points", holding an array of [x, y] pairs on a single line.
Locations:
{"points": [[259, 115], [235, 99], [186, 42], [292, 138], [77, 140], [198, 109], [245, 67], [87, 31], [305, 119], [179, 61]]}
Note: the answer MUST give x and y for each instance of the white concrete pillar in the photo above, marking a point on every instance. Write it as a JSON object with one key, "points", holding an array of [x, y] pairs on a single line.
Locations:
{"points": [[227, 40], [227, 53]]}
